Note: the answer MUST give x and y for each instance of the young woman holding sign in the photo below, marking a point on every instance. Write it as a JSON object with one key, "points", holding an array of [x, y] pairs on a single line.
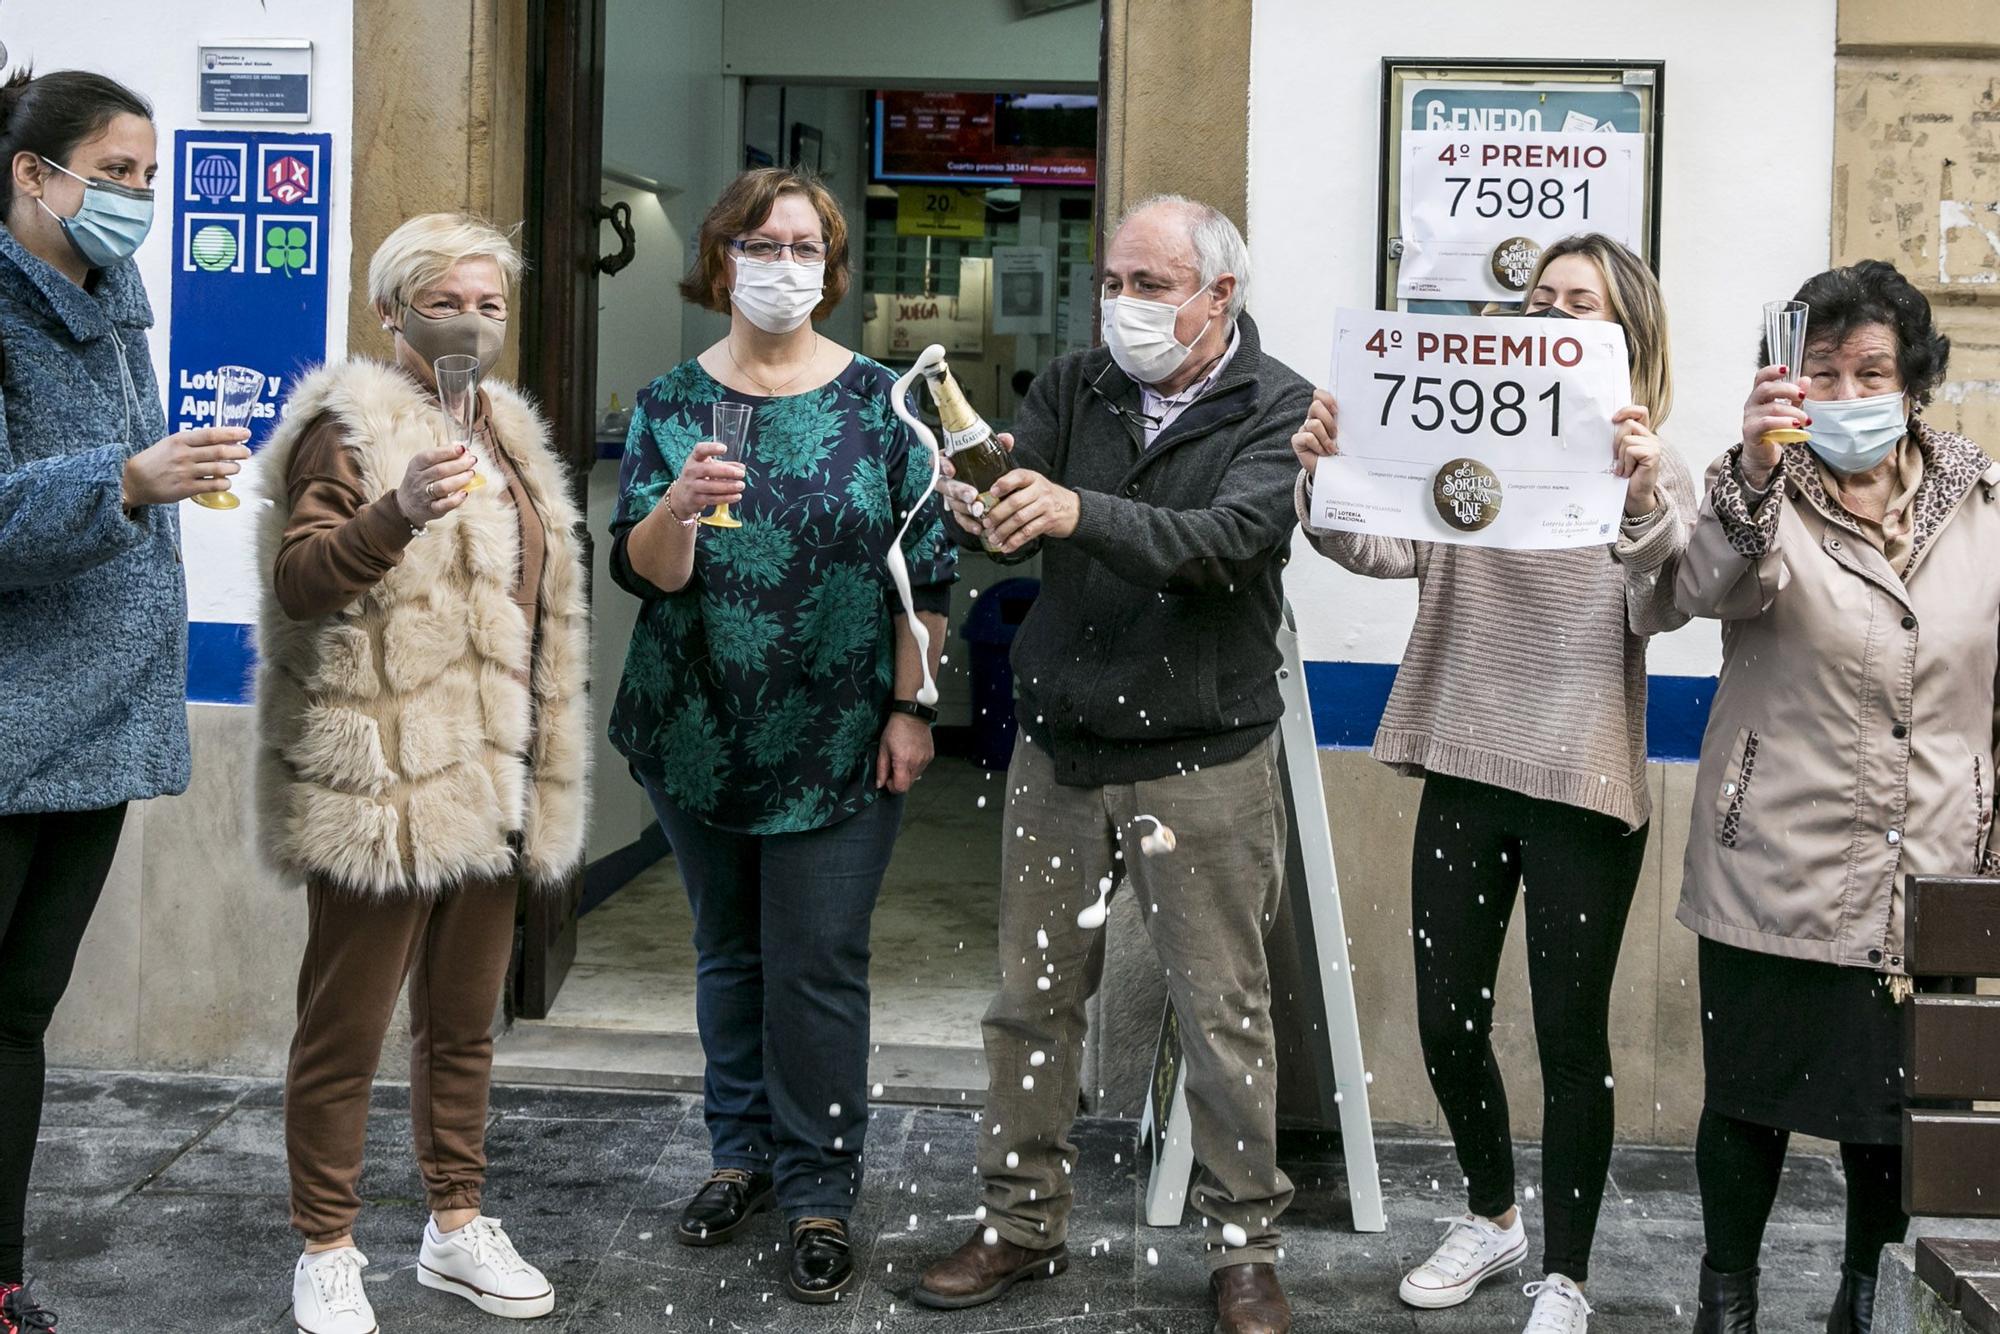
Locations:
{"points": [[1521, 701]]}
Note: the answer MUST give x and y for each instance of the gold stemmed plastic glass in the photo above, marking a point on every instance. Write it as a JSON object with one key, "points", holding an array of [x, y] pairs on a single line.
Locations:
{"points": [[237, 389], [458, 394], [1785, 344], [732, 428]]}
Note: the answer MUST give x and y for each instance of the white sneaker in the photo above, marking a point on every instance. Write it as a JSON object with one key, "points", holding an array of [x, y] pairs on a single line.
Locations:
{"points": [[327, 1296], [479, 1264], [1559, 1307], [1473, 1250]]}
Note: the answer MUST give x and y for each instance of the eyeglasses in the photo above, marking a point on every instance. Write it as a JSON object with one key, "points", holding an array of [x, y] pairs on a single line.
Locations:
{"points": [[1132, 417], [757, 248]]}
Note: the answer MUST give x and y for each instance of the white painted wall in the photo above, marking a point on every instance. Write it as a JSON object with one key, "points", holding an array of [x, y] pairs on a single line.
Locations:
{"points": [[910, 43], [1747, 154]]}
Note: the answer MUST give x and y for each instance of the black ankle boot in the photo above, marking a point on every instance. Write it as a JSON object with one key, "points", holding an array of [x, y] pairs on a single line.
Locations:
{"points": [[1854, 1304], [1728, 1302]]}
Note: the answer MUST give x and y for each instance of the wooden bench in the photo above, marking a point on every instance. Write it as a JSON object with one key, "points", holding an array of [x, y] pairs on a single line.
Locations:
{"points": [[1951, 1044]]}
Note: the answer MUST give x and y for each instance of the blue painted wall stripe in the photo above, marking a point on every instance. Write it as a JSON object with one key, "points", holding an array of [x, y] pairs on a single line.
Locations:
{"points": [[1348, 699], [221, 659]]}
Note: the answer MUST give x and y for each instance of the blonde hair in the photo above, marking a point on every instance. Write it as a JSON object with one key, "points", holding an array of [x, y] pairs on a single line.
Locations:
{"points": [[420, 253], [1638, 307]]}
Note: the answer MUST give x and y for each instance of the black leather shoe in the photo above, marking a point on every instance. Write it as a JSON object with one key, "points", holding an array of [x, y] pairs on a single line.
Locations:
{"points": [[822, 1269], [726, 1201], [1854, 1304], [1728, 1302]]}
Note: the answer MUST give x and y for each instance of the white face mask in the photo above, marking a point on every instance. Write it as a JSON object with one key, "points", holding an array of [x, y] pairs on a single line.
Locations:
{"points": [[1852, 435], [780, 295], [1141, 337]]}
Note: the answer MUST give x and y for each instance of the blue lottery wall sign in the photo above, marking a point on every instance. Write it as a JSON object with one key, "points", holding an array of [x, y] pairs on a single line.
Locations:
{"points": [[250, 243]]}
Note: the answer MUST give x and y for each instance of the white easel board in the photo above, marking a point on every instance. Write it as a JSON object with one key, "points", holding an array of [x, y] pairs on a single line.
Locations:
{"points": [[1165, 1129]]}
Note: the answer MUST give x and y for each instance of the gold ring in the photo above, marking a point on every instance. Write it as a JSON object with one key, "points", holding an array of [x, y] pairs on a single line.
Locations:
{"points": [[430, 490]]}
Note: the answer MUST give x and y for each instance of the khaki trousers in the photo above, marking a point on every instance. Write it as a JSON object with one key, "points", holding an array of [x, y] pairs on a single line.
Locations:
{"points": [[454, 950], [1207, 906]]}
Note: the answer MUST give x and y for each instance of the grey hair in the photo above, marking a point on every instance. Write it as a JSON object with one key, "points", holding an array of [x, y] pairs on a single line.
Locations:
{"points": [[1218, 246]]}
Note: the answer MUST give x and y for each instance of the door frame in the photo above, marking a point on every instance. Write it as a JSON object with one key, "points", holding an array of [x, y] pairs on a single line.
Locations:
{"points": [[558, 320]]}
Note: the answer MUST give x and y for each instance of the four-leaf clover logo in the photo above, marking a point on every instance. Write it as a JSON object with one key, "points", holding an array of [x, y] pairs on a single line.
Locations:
{"points": [[285, 248]]}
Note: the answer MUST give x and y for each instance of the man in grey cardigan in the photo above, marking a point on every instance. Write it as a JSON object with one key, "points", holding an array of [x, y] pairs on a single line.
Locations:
{"points": [[1154, 477]]}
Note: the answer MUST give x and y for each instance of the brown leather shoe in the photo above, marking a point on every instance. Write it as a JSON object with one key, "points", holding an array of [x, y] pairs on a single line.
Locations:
{"points": [[1248, 1300], [981, 1271]]}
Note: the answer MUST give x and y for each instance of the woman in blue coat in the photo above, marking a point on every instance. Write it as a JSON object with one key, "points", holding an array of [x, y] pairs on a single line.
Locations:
{"points": [[93, 608]]}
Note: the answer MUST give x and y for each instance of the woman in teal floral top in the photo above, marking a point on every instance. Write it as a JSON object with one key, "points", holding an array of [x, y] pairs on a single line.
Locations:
{"points": [[769, 702]]}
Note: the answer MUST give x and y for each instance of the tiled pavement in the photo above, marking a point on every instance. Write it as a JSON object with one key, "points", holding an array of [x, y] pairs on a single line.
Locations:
{"points": [[159, 1203]]}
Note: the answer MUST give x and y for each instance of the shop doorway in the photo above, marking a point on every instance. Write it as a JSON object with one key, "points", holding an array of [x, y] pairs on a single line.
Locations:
{"points": [[997, 263]]}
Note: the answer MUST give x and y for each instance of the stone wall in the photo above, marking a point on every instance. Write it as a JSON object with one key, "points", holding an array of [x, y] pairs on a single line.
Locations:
{"points": [[1917, 176], [440, 123]]}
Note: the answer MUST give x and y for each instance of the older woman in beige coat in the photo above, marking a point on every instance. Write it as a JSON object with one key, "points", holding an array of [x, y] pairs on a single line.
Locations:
{"points": [[1852, 743], [421, 706]]}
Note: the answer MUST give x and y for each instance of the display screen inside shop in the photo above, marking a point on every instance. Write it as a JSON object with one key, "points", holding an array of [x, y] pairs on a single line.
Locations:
{"points": [[986, 138]]}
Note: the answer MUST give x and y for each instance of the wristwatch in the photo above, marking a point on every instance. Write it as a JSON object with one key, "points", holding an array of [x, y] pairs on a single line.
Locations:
{"points": [[923, 712]]}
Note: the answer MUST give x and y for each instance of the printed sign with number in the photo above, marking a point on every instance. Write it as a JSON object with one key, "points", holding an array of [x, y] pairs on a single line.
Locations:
{"points": [[1490, 432], [1479, 208], [940, 210]]}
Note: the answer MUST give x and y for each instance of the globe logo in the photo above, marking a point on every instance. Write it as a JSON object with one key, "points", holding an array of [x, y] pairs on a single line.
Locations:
{"points": [[214, 248], [216, 177]]}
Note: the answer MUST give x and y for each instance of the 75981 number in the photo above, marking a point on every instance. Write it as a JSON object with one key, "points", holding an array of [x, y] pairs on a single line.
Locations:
{"points": [[1522, 197], [1466, 405]]}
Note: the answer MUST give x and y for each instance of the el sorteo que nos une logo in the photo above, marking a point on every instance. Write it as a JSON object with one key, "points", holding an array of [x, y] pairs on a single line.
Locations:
{"points": [[1467, 495], [1514, 261]]}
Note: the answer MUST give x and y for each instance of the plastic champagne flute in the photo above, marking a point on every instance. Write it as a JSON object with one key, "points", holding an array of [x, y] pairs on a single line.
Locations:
{"points": [[237, 389], [1785, 344], [458, 394], [732, 428]]}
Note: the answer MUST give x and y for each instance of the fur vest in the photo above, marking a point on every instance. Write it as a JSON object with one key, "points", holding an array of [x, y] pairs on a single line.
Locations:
{"points": [[397, 747]]}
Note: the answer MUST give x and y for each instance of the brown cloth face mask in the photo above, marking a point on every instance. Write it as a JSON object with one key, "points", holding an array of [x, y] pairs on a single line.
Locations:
{"points": [[467, 335]]}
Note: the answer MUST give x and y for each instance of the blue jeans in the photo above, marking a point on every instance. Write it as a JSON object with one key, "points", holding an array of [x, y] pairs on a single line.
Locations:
{"points": [[781, 995]]}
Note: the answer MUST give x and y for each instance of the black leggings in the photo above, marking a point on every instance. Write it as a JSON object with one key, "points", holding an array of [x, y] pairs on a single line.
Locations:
{"points": [[52, 868], [1473, 844], [1739, 1164]]}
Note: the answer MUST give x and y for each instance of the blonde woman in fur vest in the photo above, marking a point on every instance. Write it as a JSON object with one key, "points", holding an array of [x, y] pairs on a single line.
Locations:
{"points": [[422, 720]]}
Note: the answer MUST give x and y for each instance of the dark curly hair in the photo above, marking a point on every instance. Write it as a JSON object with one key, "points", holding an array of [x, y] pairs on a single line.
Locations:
{"points": [[1840, 301]]}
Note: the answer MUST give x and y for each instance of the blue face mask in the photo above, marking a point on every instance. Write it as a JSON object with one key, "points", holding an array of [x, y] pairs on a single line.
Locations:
{"points": [[109, 226], [1852, 435]]}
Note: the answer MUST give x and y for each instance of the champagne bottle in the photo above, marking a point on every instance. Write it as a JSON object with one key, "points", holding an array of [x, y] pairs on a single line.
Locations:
{"points": [[977, 457]]}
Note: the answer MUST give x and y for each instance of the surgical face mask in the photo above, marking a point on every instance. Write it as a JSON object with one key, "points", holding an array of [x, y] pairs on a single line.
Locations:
{"points": [[111, 222], [778, 295], [1547, 313], [1141, 336], [467, 335], [1852, 435]]}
